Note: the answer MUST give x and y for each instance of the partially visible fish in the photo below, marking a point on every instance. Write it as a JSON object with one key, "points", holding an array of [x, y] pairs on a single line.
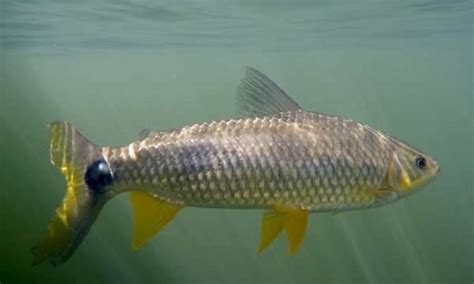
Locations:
{"points": [[277, 157]]}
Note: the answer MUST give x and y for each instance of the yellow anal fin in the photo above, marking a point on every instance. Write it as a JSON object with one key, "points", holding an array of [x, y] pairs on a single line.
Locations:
{"points": [[151, 214], [293, 221]]}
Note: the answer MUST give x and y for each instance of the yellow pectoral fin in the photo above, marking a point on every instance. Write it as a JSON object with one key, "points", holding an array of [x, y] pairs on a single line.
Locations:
{"points": [[151, 214], [293, 221], [382, 192]]}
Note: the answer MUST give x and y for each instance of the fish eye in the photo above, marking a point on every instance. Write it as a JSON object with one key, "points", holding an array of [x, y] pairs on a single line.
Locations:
{"points": [[420, 162], [98, 176]]}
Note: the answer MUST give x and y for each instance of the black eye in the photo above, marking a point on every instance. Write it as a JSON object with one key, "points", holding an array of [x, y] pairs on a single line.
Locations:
{"points": [[98, 176], [420, 162]]}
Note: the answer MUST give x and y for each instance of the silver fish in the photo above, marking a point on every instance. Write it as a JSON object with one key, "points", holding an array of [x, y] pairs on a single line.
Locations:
{"points": [[278, 157]]}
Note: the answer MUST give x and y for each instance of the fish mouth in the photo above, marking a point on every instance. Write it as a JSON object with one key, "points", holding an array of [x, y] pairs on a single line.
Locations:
{"points": [[438, 168]]}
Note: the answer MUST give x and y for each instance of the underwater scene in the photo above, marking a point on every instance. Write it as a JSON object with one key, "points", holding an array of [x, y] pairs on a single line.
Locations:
{"points": [[94, 95]]}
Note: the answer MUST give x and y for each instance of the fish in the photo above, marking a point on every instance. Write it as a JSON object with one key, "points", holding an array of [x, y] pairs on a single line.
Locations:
{"points": [[274, 156]]}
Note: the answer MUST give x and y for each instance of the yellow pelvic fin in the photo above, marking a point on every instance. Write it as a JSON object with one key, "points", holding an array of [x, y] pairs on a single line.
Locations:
{"points": [[293, 221], [272, 224], [151, 214]]}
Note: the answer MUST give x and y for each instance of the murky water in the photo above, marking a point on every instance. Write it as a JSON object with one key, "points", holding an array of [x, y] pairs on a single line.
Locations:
{"points": [[113, 68]]}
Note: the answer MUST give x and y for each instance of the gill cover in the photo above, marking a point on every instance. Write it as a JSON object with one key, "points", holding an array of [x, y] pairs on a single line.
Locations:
{"points": [[72, 153]]}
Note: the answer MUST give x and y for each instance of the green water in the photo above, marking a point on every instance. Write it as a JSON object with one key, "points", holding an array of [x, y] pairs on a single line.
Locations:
{"points": [[113, 68]]}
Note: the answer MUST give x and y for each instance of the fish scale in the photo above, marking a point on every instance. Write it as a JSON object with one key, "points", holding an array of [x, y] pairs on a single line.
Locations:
{"points": [[260, 162]]}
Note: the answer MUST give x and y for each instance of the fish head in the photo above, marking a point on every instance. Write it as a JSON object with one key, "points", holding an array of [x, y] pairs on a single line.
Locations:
{"points": [[410, 168]]}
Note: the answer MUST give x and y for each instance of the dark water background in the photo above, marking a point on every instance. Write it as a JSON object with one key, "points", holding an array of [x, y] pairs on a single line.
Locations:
{"points": [[115, 67]]}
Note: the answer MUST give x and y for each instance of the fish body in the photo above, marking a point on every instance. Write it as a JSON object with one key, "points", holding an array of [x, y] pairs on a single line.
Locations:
{"points": [[277, 156], [295, 159]]}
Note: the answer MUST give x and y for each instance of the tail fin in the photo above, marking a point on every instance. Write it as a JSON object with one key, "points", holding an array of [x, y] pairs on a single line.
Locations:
{"points": [[71, 153]]}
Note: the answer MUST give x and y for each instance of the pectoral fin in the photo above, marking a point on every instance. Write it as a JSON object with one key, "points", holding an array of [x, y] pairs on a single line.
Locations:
{"points": [[151, 214], [293, 221]]}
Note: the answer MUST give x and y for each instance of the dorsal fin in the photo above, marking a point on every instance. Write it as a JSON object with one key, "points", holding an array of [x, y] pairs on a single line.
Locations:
{"points": [[257, 95]]}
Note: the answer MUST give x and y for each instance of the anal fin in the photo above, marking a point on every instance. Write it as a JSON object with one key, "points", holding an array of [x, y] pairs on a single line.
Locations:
{"points": [[151, 214], [292, 220]]}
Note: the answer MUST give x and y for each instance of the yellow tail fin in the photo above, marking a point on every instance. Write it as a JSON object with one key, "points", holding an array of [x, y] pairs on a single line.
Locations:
{"points": [[71, 153]]}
